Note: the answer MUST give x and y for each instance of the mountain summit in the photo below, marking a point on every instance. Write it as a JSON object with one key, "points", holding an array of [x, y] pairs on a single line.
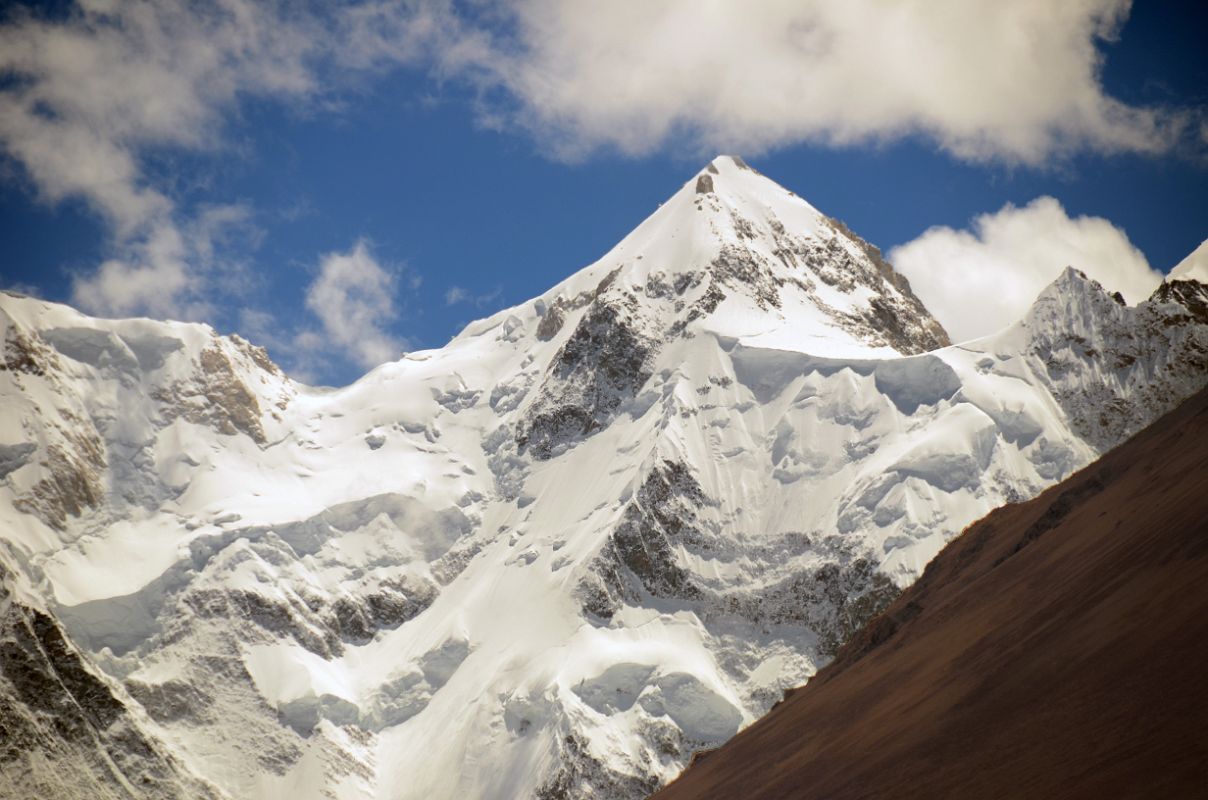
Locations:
{"points": [[765, 265], [596, 532], [733, 256]]}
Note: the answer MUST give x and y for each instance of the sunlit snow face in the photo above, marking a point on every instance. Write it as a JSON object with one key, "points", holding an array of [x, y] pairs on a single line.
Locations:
{"points": [[739, 466]]}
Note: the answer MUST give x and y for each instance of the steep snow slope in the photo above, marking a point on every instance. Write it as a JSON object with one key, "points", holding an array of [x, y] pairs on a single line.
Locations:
{"points": [[595, 532], [1194, 267], [1054, 649]]}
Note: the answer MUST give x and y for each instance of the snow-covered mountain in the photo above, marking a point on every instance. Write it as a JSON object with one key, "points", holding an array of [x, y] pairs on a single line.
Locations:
{"points": [[66, 731], [1069, 631], [1194, 267], [594, 533]]}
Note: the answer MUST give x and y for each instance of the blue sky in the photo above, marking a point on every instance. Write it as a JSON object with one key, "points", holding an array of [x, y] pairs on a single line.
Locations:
{"points": [[341, 188]]}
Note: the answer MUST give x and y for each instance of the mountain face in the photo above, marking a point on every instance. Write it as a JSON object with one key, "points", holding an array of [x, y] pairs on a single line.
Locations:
{"points": [[65, 730], [594, 533], [1194, 267], [1054, 649]]}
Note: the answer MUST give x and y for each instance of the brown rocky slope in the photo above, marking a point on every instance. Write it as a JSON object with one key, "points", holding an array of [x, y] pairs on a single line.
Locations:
{"points": [[1056, 649]]}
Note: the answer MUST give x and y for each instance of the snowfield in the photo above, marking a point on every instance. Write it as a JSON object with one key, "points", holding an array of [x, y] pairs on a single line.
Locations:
{"points": [[594, 533]]}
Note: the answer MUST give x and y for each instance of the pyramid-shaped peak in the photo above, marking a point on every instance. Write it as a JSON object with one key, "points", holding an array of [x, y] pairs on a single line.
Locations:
{"points": [[731, 177], [1073, 279], [1074, 302], [736, 254], [724, 166], [1072, 282], [727, 162]]}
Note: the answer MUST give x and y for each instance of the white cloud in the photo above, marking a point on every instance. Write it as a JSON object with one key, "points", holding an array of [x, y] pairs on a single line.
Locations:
{"points": [[88, 93], [353, 299], [458, 294], [152, 279], [166, 270], [986, 79], [980, 280]]}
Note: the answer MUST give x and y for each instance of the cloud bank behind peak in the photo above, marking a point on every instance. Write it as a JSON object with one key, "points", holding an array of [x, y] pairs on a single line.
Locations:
{"points": [[1016, 82]]}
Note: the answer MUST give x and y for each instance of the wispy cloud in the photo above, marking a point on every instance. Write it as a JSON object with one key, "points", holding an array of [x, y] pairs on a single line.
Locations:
{"points": [[457, 295], [980, 280], [174, 268]]}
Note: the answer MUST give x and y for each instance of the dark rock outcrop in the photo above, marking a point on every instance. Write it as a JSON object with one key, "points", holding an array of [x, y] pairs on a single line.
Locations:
{"points": [[602, 364], [66, 732], [215, 397]]}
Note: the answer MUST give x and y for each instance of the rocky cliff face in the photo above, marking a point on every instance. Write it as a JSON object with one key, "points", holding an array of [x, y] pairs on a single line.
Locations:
{"points": [[1112, 367], [91, 398], [596, 532], [67, 731]]}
